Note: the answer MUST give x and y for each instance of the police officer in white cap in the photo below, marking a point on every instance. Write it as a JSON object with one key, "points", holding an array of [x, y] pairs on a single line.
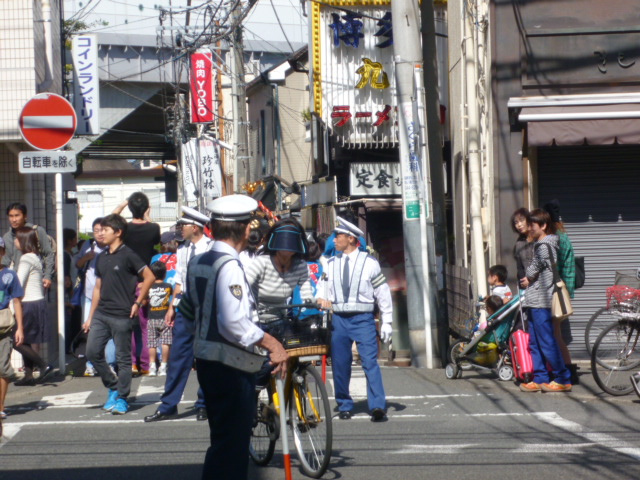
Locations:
{"points": [[220, 300], [353, 283], [181, 355]]}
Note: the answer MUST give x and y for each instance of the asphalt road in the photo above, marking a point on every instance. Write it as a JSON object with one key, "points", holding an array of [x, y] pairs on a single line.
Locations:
{"points": [[471, 428]]}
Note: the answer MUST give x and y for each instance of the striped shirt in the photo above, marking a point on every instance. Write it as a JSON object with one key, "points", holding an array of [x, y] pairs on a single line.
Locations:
{"points": [[540, 273], [271, 287]]}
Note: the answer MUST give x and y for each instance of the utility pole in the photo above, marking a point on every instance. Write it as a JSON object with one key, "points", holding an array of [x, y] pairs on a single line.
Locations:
{"points": [[238, 98], [414, 159], [438, 297]]}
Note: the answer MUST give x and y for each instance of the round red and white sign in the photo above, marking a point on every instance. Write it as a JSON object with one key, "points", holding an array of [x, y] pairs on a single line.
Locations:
{"points": [[48, 121]]}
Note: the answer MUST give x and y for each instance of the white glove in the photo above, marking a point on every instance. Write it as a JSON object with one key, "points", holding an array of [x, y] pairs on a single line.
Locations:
{"points": [[385, 332]]}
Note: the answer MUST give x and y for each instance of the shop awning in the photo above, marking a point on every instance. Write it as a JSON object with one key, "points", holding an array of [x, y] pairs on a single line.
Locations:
{"points": [[601, 119]]}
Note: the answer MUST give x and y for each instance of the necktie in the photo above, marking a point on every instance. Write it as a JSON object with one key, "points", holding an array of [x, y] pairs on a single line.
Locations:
{"points": [[345, 278], [192, 253]]}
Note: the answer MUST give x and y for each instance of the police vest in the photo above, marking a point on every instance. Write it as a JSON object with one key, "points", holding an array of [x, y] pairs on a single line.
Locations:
{"points": [[350, 304], [202, 278]]}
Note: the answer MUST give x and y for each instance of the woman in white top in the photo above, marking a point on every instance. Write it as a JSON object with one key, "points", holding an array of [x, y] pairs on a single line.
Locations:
{"points": [[37, 328]]}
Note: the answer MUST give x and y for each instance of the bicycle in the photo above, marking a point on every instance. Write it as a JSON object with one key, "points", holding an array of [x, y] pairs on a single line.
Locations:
{"points": [[306, 400], [604, 316], [614, 357]]}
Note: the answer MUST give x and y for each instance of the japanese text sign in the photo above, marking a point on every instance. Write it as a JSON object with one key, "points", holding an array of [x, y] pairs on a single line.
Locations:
{"points": [[201, 82], [47, 162], [354, 74], [209, 171], [84, 52], [375, 179]]}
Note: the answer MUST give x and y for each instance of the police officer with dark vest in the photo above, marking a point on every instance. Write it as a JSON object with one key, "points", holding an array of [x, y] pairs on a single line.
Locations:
{"points": [[351, 285], [220, 301]]}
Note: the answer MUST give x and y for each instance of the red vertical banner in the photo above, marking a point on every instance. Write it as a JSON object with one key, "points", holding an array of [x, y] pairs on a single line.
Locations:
{"points": [[201, 81]]}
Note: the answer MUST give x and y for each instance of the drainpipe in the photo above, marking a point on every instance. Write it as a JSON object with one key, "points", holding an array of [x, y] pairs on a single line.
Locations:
{"points": [[276, 121]]}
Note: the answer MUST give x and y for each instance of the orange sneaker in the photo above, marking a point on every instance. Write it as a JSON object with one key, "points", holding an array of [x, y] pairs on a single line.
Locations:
{"points": [[530, 387], [556, 387]]}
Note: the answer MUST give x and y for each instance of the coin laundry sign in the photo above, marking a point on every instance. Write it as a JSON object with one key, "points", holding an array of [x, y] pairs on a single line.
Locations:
{"points": [[201, 88]]}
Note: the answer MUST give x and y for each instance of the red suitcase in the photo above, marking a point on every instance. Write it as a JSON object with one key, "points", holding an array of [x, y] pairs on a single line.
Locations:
{"points": [[521, 356]]}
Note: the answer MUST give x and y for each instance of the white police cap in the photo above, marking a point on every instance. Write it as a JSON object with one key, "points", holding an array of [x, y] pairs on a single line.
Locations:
{"points": [[231, 208], [348, 228], [191, 216]]}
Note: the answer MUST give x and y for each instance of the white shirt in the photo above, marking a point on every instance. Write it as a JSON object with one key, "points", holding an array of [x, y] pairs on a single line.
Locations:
{"points": [[236, 316], [366, 294], [30, 275], [184, 252]]}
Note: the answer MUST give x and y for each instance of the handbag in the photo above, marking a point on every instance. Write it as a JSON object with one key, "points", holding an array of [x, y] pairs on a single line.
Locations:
{"points": [[561, 307], [78, 291], [7, 321]]}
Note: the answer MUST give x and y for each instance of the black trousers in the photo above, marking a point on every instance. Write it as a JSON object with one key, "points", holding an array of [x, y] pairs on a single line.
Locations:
{"points": [[229, 395]]}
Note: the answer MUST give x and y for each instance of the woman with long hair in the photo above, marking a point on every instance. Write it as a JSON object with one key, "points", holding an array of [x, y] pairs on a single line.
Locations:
{"points": [[523, 249], [37, 329]]}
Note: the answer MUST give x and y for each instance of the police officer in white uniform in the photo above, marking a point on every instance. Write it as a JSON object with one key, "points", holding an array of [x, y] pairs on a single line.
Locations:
{"points": [[181, 355], [351, 285], [218, 297]]}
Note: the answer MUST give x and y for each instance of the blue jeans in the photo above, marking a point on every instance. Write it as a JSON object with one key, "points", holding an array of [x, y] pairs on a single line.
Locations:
{"points": [[544, 348], [360, 328]]}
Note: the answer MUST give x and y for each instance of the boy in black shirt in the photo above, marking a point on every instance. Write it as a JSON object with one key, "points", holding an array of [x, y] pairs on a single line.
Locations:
{"points": [[113, 307], [159, 334]]}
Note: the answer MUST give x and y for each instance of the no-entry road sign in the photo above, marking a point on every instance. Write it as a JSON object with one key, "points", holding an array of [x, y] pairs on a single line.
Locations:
{"points": [[48, 121]]}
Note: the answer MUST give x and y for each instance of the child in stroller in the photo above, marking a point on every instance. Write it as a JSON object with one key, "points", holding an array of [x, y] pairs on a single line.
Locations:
{"points": [[488, 349]]}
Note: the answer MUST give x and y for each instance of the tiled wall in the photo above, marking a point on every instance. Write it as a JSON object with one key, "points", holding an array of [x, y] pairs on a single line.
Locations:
{"points": [[17, 63]]}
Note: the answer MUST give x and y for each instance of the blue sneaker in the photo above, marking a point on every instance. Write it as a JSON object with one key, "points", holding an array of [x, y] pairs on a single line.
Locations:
{"points": [[111, 400], [121, 407]]}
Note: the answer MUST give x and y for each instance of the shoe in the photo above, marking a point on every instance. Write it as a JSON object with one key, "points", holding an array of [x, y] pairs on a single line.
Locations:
{"points": [[89, 372], [345, 416], [162, 371], [144, 372], [111, 400], [158, 416], [48, 370], [555, 387], [201, 414], [635, 379], [378, 415], [153, 370], [121, 407], [134, 369], [3, 415], [530, 387], [26, 382]]}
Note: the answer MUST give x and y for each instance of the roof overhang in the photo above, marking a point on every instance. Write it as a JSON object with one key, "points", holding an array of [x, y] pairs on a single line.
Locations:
{"points": [[598, 119]]}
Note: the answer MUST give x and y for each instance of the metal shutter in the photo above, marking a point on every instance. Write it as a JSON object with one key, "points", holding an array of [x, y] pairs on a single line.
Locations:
{"points": [[596, 186]]}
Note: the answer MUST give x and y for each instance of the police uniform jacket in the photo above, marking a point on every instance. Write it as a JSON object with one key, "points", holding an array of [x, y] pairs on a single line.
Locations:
{"points": [[219, 299], [367, 286]]}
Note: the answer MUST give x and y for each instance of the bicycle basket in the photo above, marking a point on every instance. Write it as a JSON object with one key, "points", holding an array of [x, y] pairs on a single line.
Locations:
{"points": [[306, 336], [623, 300]]}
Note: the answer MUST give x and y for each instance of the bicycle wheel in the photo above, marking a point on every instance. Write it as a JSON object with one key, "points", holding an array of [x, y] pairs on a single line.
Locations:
{"points": [[310, 420], [615, 358], [265, 430], [600, 320]]}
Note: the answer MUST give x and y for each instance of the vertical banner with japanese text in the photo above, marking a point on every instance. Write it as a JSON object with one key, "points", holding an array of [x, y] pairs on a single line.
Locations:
{"points": [[86, 98], [208, 169], [201, 83]]}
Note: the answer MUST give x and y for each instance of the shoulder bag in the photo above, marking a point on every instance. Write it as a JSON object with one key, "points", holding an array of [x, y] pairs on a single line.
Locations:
{"points": [[561, 307]]}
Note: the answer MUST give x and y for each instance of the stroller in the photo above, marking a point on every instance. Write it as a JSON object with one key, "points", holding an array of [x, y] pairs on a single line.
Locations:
{"points": [[488, 350]]}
